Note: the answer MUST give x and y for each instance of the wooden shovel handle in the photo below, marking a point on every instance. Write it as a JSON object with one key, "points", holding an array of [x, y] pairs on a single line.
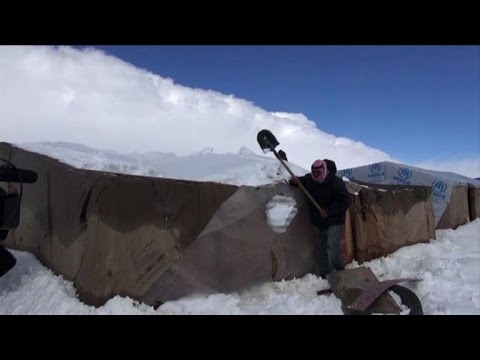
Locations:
{"points": [[298, 182]]}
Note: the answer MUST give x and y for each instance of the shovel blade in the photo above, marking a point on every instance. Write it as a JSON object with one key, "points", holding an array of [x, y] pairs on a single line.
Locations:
{"points": [[267, 140]]}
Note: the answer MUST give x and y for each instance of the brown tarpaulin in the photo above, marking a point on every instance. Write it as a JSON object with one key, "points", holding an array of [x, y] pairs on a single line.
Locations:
{"points": [[474, 202], [457, 210], [154, 239], [157, 239], [389, 217]]}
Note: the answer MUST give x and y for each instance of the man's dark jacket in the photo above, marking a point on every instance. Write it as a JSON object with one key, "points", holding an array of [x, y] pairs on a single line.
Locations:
{"points": [[332, 196]]}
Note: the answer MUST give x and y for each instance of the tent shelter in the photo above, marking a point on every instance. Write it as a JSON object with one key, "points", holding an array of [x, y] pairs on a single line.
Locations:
{"points": [[455, 197]]}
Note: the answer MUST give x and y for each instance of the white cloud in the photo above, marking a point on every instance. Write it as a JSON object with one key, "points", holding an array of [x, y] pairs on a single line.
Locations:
{"points": [[91, 98]]}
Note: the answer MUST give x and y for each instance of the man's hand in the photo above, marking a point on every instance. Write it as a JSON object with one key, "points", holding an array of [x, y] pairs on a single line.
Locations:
{"points": [[323, 213], [294, 180], [11, 188]]}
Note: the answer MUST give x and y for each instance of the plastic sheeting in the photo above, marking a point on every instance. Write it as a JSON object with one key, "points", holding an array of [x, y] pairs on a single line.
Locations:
{"points": [[154, 239], [158, 239], [389, 173], [385, 220]]}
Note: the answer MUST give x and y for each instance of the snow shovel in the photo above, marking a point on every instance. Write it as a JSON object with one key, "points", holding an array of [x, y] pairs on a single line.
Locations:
{"points": [[268, 142]]}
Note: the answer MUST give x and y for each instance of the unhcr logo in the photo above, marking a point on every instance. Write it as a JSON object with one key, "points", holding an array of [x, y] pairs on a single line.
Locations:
{"points": [[439, 189], [375, 168], [440, 186], [376, 174], [347, 173], [405, 173]]}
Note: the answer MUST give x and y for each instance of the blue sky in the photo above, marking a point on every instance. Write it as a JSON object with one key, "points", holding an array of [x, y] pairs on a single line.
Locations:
{"points": [[413, 102], [416, 105]]}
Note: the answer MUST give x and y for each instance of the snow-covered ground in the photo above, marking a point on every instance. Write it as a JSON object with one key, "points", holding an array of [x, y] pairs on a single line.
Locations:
{"points": [[449, 269]]}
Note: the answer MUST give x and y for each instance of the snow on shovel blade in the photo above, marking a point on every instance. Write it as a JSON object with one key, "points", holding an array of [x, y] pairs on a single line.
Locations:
{"points": [[267, 140]]}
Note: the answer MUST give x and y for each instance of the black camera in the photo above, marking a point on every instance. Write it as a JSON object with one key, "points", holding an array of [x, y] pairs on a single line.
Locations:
{"points": [[10, 207], [10, 199]]}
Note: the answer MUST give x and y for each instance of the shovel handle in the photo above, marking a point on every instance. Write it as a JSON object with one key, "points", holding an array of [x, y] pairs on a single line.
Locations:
{"points": [[272, 147], [298, 182]]}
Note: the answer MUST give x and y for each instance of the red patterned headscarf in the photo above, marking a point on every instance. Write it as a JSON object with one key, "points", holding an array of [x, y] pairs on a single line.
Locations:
{"points": [[319, 171]]}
